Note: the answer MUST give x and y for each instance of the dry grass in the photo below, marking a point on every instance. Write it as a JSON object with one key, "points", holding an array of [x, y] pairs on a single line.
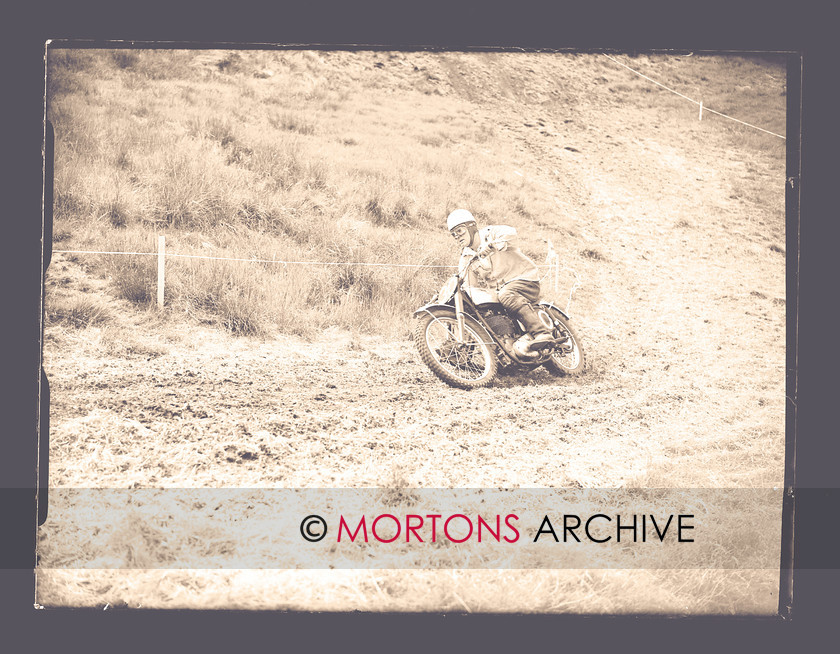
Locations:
{"points": [[78, 311], [163, 161]]}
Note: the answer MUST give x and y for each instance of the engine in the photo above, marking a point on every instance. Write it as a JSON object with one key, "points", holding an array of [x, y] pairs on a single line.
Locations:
{"points": [[506, 329], [501, 324]]}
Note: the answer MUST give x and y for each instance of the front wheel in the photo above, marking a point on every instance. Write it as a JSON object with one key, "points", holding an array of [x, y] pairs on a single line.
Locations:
{"points": [[567, 359], [468, 364]]}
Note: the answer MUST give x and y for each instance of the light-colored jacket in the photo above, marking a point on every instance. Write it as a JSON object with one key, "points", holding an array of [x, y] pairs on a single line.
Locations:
{"points": [[505, 261]]}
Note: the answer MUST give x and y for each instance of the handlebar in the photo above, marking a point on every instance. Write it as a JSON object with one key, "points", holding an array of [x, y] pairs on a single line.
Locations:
{"points": [[462, 275]]}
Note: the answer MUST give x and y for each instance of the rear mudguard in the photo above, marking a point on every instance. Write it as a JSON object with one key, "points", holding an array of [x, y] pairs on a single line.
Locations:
{"points": [[556, 308]]}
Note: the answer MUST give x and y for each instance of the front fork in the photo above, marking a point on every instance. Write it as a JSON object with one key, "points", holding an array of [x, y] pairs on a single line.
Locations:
{"points": [[459, 316]]}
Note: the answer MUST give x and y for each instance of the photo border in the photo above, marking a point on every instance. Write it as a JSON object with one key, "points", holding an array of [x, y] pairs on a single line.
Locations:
{"points": [[814, 456]]}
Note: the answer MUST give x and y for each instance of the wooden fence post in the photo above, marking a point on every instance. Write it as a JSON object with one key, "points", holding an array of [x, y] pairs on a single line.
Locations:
{"points": [[160, 280]]}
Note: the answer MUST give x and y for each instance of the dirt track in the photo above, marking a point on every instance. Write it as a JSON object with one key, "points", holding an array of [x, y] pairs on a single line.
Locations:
{"points": [[681, 312]]}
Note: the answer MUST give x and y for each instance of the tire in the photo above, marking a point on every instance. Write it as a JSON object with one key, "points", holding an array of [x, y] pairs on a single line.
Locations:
{"points": [[573, 362], [463, 365]]}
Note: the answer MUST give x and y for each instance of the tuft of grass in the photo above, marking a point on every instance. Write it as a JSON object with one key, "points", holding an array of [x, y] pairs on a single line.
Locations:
{"points": [[231, 296], [521, 207], [231, 63], [78, 311], [124, 58], [283, 165], [292, 123], [215, 128], [592, 253], [122, 159], [188, 193], [116, 213], [62, 234], [433, 141], [389, 212], [360, 282], [133, 277]]}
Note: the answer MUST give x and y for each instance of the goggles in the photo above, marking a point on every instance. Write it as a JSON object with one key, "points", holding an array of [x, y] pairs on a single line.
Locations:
{"points": [[459, 230]]}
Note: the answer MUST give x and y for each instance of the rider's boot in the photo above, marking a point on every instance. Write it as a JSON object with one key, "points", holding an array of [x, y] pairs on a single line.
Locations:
{"points": [[542, 337], [522, 345]]}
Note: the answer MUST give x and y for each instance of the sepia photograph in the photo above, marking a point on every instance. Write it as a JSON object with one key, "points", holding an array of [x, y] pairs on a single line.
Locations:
{"points": [[415, 330]]}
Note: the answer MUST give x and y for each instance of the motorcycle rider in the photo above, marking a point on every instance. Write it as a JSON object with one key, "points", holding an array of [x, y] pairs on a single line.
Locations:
{"points": [[515, 275]]}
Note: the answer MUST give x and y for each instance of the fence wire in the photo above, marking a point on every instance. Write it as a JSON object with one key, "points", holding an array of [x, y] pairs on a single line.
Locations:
{"points": [[552, 264], [697, 102]]}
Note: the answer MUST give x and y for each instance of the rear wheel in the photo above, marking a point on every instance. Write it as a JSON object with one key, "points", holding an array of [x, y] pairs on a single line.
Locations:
{"points": [[468, 364], [568, 358]]}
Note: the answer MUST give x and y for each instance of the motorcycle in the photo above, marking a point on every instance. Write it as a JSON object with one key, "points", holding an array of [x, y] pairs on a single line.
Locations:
{"points": [[465, 337]]}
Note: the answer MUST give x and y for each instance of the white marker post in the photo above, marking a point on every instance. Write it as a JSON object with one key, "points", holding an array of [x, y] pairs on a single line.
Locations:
{"points": [[701, 110], [553, 268], [161, 259]]}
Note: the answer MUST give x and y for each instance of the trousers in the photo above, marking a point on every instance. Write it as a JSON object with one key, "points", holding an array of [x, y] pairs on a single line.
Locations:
{"points": [[518, 298]]}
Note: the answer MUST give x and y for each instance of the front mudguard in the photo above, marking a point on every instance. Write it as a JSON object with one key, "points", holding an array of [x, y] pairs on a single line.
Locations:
{"points": [[435, 309], [431, 307]]}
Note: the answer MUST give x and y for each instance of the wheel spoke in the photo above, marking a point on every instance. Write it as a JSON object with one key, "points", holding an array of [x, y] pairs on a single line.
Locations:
{"points": [[567, 358], [467, 359]]}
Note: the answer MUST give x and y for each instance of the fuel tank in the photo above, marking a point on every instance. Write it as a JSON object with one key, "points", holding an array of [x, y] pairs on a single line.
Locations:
{"points": [[481, 295]]}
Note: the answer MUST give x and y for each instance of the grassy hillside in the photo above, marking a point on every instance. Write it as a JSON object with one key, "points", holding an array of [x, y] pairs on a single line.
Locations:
{"points": [[336, 156]]}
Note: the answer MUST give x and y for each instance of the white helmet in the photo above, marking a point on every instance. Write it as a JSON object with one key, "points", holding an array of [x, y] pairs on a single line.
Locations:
{"points": [[458, 217]]}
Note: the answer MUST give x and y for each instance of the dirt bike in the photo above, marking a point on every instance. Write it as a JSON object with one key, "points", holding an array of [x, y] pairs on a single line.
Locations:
{"points": [[465, 336]]}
